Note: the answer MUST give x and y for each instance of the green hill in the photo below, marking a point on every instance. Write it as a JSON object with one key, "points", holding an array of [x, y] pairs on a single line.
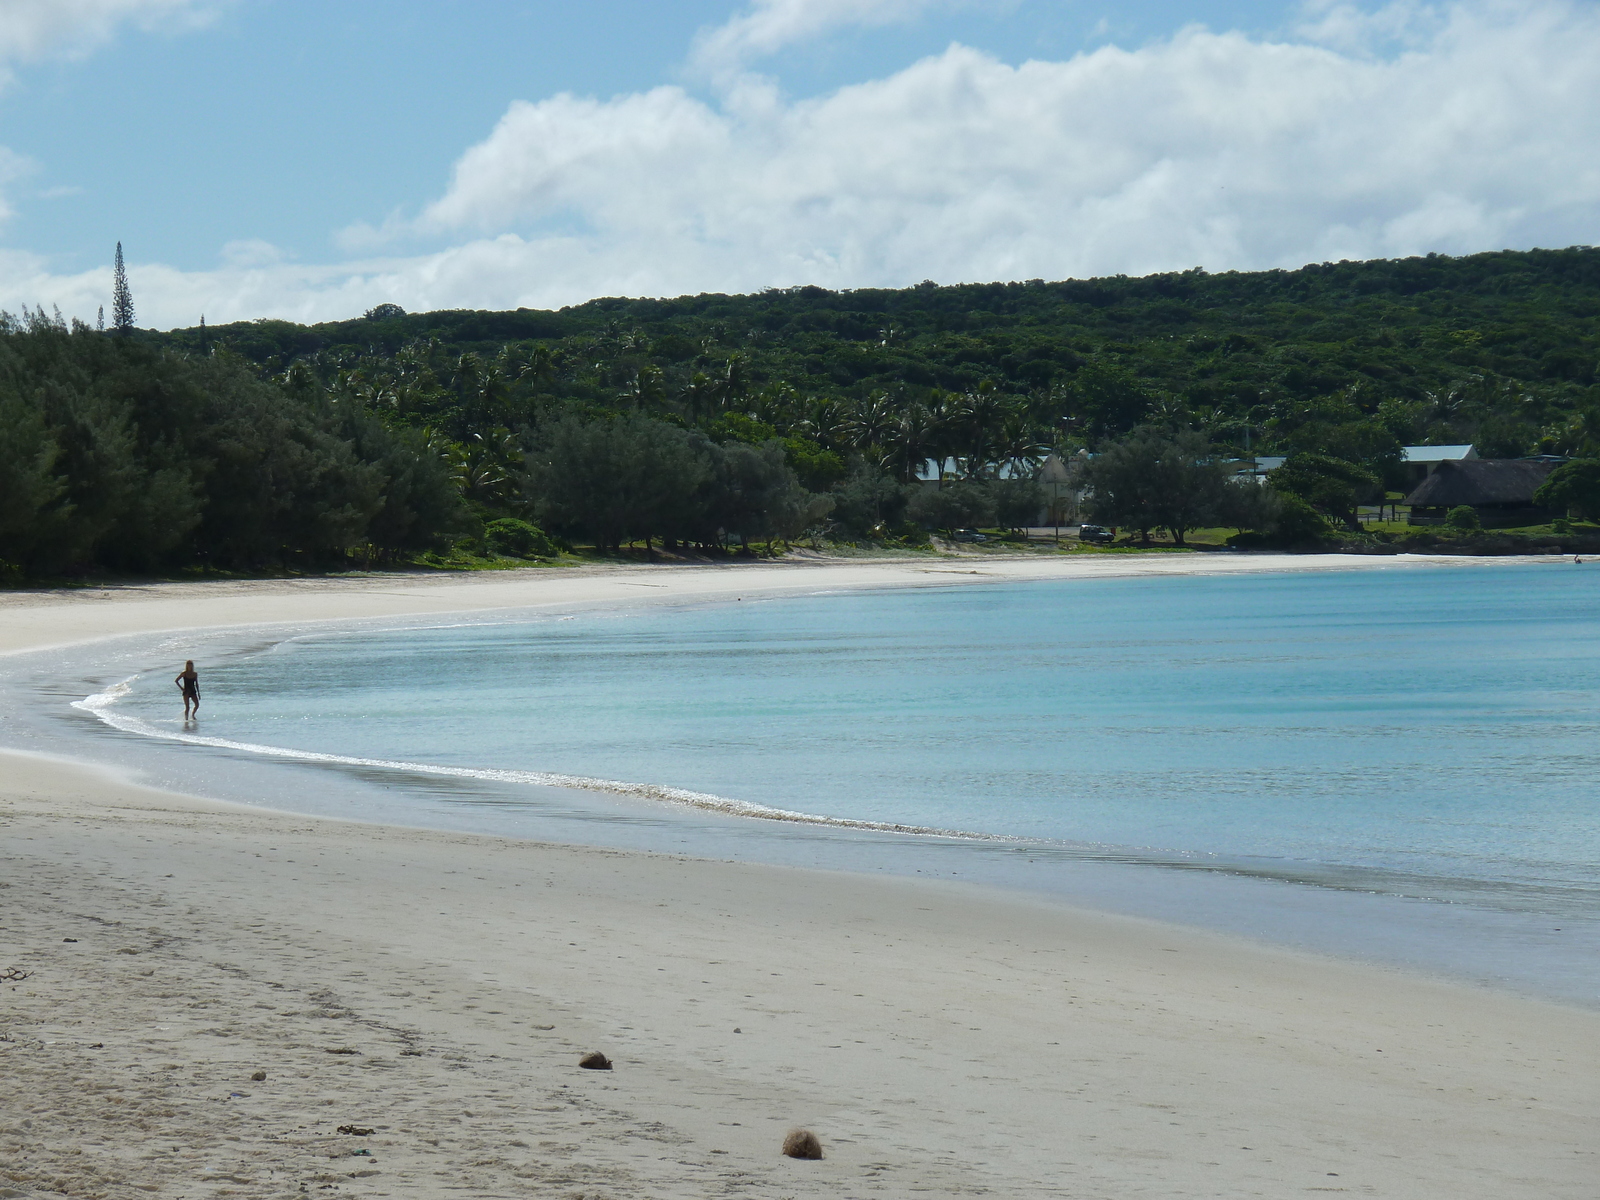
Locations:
{"points": [[1499, 349]]}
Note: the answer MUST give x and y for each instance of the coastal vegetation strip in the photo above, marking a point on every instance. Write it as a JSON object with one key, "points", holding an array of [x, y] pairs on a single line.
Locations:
{"points": [[869, 417]]}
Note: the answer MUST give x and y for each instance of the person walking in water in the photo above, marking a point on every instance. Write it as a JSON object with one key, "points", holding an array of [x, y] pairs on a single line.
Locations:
{"points": [[189, 684]]}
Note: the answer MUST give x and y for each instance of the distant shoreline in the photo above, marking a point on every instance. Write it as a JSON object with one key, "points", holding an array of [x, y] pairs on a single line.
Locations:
{"points": [[799, 556], [70, 616]]}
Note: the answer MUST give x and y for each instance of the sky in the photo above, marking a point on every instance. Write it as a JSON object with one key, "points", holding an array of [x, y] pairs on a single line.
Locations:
{"points": [[283, 158]]}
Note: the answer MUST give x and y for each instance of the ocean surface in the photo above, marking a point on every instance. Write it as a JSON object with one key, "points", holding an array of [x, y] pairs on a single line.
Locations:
{"points": [[1424, 739]]}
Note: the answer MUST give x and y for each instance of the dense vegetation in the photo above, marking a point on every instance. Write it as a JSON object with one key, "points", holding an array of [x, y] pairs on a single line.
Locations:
{"points": [[709, 417], [116, 454]]}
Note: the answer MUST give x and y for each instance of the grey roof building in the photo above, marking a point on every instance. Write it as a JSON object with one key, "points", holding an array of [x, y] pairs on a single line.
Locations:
{"points": [[1422, 461]]}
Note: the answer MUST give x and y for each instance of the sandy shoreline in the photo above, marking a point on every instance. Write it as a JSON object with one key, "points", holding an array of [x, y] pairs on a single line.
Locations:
{"points": [[941, 1039], [36, 620]]}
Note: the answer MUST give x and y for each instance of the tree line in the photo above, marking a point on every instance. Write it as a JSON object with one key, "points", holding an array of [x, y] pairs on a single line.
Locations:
{"points": [[1176, 481], [119, 455], [1337, 365], [717, 420]]}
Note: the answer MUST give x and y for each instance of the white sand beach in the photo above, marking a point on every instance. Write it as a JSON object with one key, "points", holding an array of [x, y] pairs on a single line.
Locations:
{"points": [[34, 620], [438, 989]]}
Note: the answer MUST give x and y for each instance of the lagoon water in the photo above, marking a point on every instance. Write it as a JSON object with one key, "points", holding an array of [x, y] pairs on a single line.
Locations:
{"points": [[1391, 764], [1423, 734]]}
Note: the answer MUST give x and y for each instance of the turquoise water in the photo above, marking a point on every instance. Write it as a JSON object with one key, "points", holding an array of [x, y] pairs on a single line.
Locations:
{"points": [[1422, 732]]}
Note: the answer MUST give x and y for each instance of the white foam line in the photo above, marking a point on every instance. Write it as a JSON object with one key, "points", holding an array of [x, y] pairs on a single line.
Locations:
{"points": [[101, 705]]}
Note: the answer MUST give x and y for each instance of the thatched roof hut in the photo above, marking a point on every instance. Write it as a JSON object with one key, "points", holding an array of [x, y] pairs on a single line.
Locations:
{"points": [[1499, 488]]}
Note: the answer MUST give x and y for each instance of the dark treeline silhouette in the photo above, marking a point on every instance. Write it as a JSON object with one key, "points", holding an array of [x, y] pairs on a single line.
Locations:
{"points": [[633, 478], [717, 420], [115, 453]]}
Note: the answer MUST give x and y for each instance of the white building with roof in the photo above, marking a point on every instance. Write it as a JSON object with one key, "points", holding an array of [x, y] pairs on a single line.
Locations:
{"points": [[1422, 461]]}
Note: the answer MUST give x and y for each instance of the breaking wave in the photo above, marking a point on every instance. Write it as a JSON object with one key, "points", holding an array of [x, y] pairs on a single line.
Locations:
{"points": [[103, 706]]}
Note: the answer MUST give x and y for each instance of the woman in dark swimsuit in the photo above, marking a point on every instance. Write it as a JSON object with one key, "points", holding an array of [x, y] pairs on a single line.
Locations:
{"points": [[189, 684]]}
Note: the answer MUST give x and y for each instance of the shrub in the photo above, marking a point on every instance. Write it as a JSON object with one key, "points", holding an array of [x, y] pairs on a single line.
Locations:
{"points": [[1297, 523], [1157, 479], [952, 506], [868, 503], [910, 534], [1463, 518], [511, 538], [1292, 522], [1331, 485], [1574, 486]]}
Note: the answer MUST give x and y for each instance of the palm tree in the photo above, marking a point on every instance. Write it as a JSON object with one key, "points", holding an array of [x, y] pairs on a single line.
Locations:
{"points": [[1171, 412], [480, 392], [980, 415], [646, 388], [824, 423], [540, 366], [700, 397], [778, 404], [943, 434], [911, 441], [871, 422], [484, 465], [735, 381], [1019, 443]]}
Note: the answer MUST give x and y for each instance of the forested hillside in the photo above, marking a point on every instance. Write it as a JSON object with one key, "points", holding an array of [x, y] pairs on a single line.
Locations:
{"points": [[1500, 349], [694, 418]]}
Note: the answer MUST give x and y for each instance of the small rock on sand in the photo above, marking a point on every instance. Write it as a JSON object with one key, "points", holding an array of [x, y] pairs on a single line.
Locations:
{"points": [[802, 1143], [595, 1061], [257, 1076]]}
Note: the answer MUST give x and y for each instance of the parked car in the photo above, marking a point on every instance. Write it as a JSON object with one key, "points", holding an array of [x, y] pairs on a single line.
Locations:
{"points": [[1096, 533], [970, 535]]}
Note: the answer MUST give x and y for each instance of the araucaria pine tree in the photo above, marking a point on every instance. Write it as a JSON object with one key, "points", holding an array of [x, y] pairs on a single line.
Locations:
{"points": [[121, 297]]}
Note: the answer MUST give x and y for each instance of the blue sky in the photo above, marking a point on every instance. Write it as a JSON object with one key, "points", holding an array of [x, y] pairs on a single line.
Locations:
{"points": [[278, 157]]}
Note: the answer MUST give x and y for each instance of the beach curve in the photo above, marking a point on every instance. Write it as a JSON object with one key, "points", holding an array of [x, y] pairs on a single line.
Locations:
{"points": [[937, 1037]]}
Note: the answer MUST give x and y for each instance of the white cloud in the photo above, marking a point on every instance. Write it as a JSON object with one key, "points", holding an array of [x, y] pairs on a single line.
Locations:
{"points": [[770, 25], [1348, 27], [1205, 149], [568, 153], [244, 253], [33, 29]]}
